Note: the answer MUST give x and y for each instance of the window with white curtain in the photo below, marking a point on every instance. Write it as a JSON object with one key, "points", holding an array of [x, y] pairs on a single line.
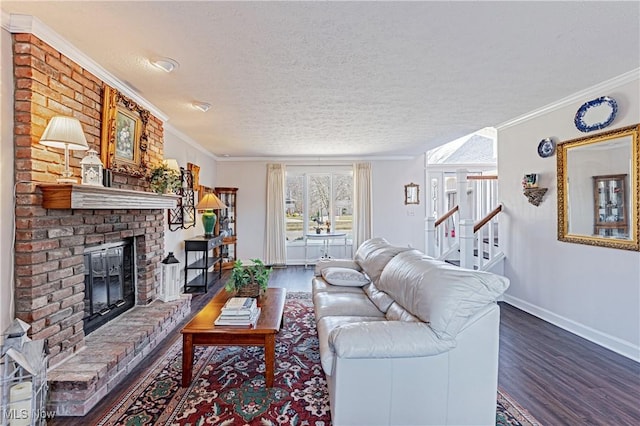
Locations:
{"points": [[318, 198]]}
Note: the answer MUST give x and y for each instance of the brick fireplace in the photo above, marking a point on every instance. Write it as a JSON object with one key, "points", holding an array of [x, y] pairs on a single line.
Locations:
{"points": [[50, 243]]}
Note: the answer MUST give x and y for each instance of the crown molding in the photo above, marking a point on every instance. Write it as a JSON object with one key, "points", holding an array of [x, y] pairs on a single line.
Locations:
{"points": [[317, 159], [17, 23], [577, 97], [183, 137]]}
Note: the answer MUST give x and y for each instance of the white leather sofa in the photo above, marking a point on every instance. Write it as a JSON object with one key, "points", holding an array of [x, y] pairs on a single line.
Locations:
{"points": [[406, 339]]}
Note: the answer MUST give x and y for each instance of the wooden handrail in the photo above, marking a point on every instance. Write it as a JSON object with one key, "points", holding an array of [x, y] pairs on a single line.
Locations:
{"points": [[482, 177], [446, 216], [487, 218]]}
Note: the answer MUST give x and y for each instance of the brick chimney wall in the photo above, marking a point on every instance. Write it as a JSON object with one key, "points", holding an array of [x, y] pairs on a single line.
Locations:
{"points": [[49, 245]]}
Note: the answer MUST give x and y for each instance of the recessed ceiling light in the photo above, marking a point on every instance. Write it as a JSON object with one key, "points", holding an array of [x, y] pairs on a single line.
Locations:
{"points": [[202, 106], [165, 64]]}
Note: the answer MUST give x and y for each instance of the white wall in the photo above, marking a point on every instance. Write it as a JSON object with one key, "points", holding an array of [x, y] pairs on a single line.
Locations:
{"points": [[6, 180], [391, 218], [400, 224], [250, 177], [591, 291]]}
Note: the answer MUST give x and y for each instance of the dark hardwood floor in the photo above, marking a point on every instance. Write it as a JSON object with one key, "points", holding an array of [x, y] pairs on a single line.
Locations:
{"points": [[560, 378], [563, 379]]}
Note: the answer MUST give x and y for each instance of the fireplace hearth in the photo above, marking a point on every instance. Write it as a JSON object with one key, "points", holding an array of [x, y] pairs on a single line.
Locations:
{"points": [[109, 281]]}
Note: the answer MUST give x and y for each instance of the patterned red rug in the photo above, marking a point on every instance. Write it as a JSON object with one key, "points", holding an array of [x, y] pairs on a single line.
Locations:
{"points": [[228, 384]]}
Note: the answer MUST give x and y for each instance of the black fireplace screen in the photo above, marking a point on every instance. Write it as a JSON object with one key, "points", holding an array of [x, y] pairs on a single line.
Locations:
{"points": [[109, 282]]}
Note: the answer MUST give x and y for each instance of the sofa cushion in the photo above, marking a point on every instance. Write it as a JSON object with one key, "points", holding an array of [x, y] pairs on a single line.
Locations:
{"points": [[344, 304], [344, 277], [443, 295], [329, 263], [367, 247], [318, 285], [325, 326], [374, 254], [381, 299], [398, 313]]}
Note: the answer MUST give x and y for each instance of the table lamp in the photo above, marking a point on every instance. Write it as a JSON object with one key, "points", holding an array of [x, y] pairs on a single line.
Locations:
{"points": [[66, 133], [208, 203]]}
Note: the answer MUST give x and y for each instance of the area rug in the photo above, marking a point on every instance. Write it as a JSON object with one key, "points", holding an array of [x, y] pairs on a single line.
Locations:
{"points": [[228, 384]]}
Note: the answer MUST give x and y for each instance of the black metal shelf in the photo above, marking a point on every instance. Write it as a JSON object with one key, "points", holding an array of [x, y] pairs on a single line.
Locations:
{"points": [[206, 247]]}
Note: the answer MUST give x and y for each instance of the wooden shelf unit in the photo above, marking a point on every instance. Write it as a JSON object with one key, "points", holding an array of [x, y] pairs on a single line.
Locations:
{"points": [[226, 225]]}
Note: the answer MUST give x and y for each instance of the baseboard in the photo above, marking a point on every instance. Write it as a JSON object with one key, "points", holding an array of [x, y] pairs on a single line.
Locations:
{"points": [[612, 343]]}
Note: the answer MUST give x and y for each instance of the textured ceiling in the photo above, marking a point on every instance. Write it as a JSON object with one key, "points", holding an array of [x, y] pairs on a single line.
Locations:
{"points": [[348, 79]]}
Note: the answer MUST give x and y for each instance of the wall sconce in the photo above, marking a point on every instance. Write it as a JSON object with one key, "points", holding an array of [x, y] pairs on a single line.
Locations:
{"points": [[170, 280], [183, 216], [531, 190], [65, 133]]}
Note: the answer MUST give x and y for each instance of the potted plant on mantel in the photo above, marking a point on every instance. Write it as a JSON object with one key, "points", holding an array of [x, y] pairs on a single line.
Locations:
{"points": [[248, 280], [164, 180]]}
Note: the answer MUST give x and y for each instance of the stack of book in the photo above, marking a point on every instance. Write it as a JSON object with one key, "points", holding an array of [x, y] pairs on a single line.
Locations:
{"points": [[239, 311]]}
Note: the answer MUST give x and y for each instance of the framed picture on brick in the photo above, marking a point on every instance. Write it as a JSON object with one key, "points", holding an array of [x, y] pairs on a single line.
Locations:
{"points": [[124, 134]]}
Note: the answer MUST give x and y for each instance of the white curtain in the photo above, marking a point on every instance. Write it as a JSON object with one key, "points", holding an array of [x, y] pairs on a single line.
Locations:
{"points": [[362, 224], [276, 239]]}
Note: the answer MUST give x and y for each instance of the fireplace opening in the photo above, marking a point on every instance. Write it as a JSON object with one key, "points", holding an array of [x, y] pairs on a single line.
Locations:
{"points": [[109, 282]]}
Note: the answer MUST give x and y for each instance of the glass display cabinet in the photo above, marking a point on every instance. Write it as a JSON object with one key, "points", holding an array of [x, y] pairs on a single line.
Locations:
{"points": [[610, 208], [226, 225]]}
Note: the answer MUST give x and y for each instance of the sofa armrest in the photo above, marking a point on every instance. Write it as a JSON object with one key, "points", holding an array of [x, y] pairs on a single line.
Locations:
{"points": [[331, 263], [387, 339]]}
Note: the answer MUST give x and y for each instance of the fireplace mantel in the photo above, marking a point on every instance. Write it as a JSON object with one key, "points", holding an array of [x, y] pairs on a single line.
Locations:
{"points": [[69, 196]]}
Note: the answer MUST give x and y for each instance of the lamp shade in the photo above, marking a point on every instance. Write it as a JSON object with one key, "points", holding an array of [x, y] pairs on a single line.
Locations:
{"points": [[208, 203], [66, 133], [172, 164]]}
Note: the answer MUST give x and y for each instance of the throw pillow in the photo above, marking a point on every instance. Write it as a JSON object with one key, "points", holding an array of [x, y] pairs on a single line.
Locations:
{"points": [[345, 277]]}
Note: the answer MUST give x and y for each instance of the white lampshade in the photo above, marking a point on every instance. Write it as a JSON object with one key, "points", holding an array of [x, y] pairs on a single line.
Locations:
{"points": [[172, 164], [66, 133]]}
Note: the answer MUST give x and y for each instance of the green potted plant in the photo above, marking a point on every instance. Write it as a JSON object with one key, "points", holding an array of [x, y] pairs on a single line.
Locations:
{"points": [[164, 180], [248, 280]]}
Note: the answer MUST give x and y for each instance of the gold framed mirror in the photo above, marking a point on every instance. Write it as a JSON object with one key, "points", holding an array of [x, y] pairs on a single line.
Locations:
{"points": [[412, 193], [599, 189]]}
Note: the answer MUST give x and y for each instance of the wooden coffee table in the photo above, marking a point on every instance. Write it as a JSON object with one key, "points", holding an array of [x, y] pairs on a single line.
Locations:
{"points": [[201, 331]]}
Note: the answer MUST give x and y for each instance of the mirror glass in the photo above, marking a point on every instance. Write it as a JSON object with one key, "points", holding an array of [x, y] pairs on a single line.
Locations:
{"points": [[598, 189]]}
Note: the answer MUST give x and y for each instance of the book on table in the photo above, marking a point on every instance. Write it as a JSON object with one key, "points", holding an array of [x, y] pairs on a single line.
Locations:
{"points": [[240, 306], [249, 320], [239, 311]]}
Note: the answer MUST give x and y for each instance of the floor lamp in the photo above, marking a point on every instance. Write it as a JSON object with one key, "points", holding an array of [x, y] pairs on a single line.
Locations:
{"points": [[66, 133]]}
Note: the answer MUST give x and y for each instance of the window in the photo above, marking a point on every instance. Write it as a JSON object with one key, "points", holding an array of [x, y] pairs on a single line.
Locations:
{"points": [[317, 201]]}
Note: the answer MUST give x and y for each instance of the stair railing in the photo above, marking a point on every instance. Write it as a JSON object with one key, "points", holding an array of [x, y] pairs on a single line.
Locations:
{"points": [[476, 238], [441, 241], [479, 246]]}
